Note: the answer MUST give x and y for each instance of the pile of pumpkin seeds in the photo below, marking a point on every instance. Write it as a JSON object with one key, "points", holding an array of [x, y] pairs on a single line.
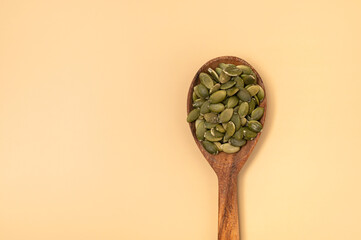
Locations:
{"points": [[226, 108]]}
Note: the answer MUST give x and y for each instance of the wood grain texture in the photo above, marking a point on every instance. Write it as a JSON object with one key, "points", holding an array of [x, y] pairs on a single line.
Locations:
{"points": [[227, 166]]}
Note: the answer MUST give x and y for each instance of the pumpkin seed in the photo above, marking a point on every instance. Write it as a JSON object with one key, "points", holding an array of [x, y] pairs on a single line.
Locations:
{"points": [[249, 134], [198, 103], [257, 100], [253, 90], [200, 131], [224, 65], [245, 69], [236, 120], [218, 146], [205, 107], [209, 125], [211, 117], [216, 107], [252, 105], [239, 82], [215, 88], [218, 96], [243, 121], [206, 80], [243, 109], [228, 148], [237, 142], [194, 96], [218, 71], [226, 115], [238, 134], [232, 71], [193, 115], [223, 77], [208, 136], [201, 91], [230, 130], [220, 128], [198, 121], [244, 95], [215, 133], [232, 91], [228, 84], [260, 94], [257, 113], [232, 102], [210, 147], [248, 79], [254, 126], [213, 74]]}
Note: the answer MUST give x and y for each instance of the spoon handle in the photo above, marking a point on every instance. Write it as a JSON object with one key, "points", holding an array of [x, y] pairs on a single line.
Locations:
{"points": [[228, 225]]}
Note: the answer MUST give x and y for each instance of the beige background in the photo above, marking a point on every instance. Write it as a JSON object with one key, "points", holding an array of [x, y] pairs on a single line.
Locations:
{"points": [[93, 138]]}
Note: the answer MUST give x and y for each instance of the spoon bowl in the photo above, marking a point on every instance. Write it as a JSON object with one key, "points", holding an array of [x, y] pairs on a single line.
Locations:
{"points": [[226, 166]]}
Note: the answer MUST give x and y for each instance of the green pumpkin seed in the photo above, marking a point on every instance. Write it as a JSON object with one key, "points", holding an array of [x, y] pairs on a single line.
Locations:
{"points": [[201, 91], [257, 113], [228, 84], [218, 96], [244, 95], [226, 115], [245, 69], [249, 134], [208, 136], [253, 90], [238, 134], [248, 79], [232, 91], [237, 142], [211, 117], [236, 120], [223, 78], [225, 101], [218, 146], [232, 71], [215, 88], [216, 107], [193, 115], [215, 133], [243, 109], [198, 103], [209, 125], [198, 121], [210, 147], [205, 107], [232, 102], [260, 94], [218, 71], [213, 74], [252, 105], [206, 80], [220, 128], [224, 65], [254, 126], [243, 121], [257, 100], [228, 148], [231, 128], [200, 130], [239, 82], [194, 96]]}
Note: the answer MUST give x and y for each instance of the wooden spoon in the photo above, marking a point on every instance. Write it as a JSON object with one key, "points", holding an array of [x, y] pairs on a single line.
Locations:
{"points": [[226, 166]]}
